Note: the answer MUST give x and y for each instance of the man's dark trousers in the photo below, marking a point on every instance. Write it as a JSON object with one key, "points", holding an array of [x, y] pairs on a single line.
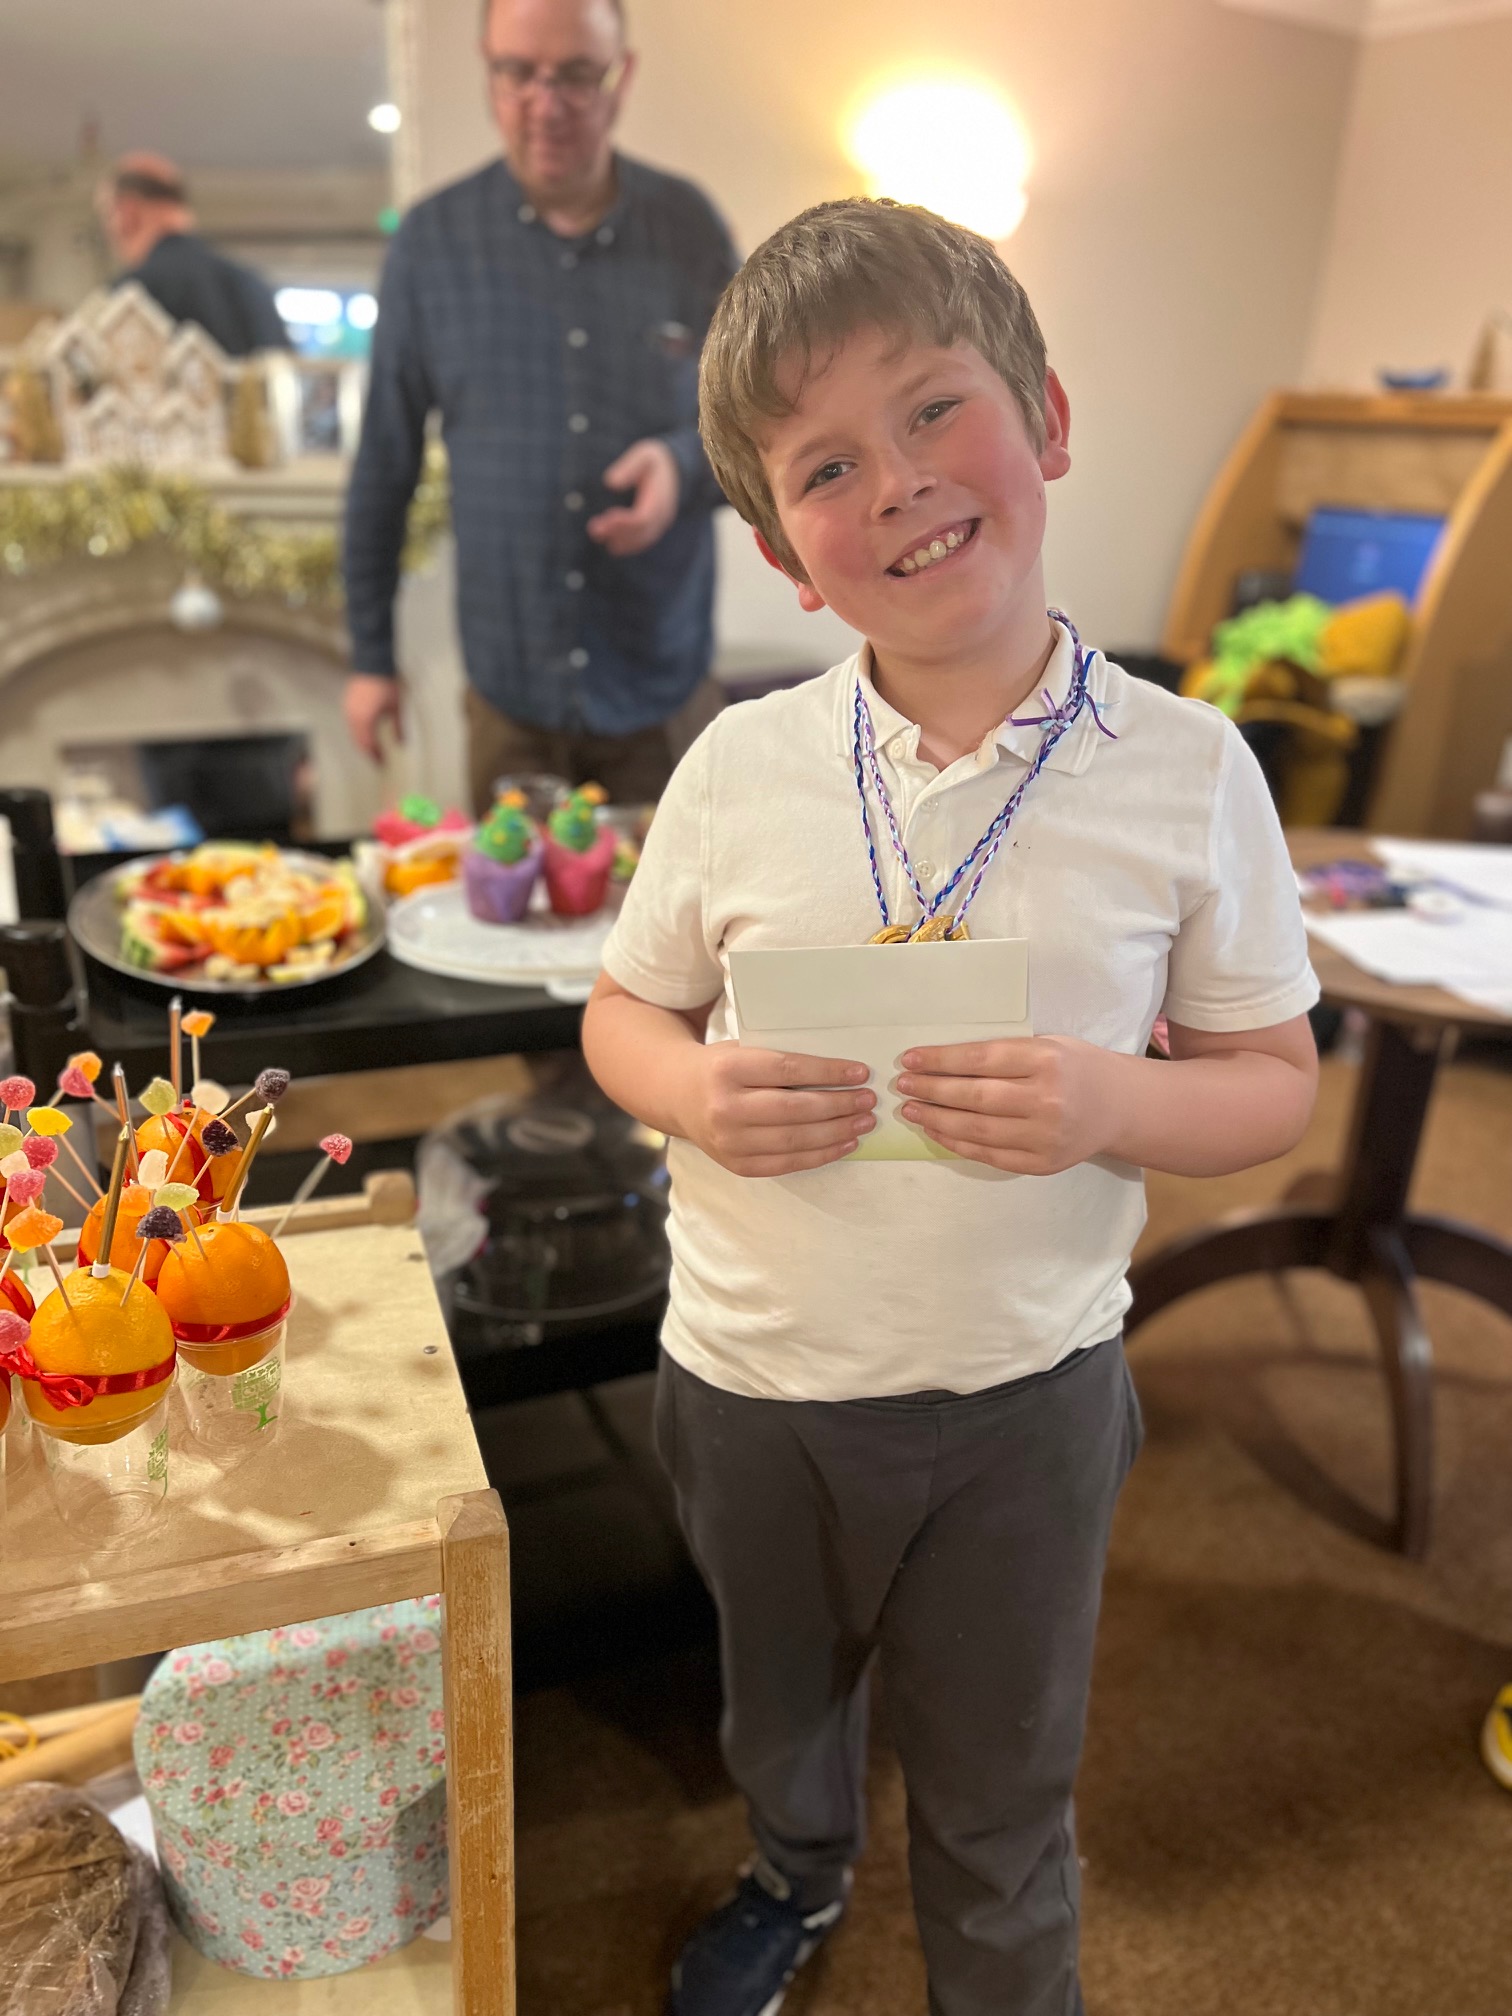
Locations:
{"points": [[961, 1541]]}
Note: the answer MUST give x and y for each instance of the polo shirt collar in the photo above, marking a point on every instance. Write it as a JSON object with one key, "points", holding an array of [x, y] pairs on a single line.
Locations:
{"points": [[627, 189], [1072, 753]]}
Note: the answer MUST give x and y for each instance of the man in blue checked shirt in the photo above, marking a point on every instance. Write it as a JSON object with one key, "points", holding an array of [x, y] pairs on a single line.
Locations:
{"points": [[551, 308]]}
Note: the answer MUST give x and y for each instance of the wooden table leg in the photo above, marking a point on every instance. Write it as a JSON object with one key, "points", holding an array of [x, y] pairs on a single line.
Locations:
{"points": [[479, 1751], [1251, 1242], [1462, 1256], [1388, 1284], [1366, 1238]]}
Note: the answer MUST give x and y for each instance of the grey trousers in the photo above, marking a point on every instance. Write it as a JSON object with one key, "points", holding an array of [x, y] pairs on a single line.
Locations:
{"points": [[960, 1541]]}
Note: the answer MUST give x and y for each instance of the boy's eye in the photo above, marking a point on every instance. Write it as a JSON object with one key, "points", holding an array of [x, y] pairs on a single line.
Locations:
{"points": [[825, 473], [935, 408]]}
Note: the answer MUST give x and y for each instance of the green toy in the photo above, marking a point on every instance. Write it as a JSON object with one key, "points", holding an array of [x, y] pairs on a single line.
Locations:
{"points": [[1289, 630]]}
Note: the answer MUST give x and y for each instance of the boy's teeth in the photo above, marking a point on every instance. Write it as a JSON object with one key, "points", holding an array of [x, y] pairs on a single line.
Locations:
{"points": [[926, 556]]}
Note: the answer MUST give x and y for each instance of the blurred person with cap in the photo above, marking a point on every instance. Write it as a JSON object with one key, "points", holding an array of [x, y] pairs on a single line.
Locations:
{"points": [[551, 308], [144, 211]]}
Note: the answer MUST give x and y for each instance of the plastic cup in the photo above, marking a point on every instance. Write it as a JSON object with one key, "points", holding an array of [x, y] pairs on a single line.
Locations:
{"points": [[233, 1393], [107, 1490]]}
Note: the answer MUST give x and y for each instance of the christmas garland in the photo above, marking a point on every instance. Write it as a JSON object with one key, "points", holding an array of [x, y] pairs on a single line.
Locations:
{"points": [[105, 514]]}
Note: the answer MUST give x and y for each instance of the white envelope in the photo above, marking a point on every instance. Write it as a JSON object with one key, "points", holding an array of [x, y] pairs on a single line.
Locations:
{"points": [[873, 1002]]}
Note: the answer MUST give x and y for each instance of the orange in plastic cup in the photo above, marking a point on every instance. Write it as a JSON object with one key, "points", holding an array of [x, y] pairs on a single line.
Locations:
{"points": [[107, 1460], [228, 1302]]}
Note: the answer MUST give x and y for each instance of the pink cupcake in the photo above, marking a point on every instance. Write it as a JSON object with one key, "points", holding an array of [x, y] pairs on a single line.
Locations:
{"points": [[579, 854]]}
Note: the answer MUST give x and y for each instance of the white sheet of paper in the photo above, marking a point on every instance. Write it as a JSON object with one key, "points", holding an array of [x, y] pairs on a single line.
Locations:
{"points": [[1480, 871], [873, 1002], [1471, 951]]}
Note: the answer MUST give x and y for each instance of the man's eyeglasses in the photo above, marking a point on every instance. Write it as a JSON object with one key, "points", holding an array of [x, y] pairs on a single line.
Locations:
{"points": [[577, 83]]}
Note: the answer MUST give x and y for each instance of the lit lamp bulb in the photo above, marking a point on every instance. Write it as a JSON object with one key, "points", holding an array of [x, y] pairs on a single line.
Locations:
{"points": [[955, 148]]}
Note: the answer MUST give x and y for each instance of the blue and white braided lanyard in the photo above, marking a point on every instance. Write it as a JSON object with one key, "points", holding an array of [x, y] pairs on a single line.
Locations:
{"points": [[1055, 723]]}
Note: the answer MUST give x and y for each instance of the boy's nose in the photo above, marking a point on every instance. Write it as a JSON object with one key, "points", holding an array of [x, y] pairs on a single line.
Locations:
{"points": [[899, 484]]}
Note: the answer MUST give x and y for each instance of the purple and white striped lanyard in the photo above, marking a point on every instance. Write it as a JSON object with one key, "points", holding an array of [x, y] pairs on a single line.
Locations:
{"points": [[1055, 721]]}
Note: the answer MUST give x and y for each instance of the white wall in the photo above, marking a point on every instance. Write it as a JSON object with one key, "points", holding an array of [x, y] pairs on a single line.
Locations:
{"points": [[1178, 208], [1421, 246]]}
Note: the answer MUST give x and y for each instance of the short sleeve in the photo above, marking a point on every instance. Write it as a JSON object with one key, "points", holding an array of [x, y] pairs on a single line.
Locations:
{"points": [[659, 948], [1239, 960]]}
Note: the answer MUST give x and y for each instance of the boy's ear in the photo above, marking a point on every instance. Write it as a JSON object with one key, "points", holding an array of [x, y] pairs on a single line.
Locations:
{"points": [[1055, 456], [809, 597]]}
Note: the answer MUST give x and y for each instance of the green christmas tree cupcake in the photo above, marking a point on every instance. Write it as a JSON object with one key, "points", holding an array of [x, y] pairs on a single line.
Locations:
{"points": [[501, 868]]}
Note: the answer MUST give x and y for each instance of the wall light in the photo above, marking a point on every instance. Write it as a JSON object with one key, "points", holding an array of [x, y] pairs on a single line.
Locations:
{"points": [[385, 118], [955, 146]]}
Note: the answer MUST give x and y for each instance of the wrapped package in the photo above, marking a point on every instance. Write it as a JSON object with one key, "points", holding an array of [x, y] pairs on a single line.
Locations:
{"points": [[297, 1784], [83, 1927]]}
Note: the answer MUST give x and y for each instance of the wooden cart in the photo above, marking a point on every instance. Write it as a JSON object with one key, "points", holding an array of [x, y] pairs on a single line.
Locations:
{"points": [[1435, 454], [372, 1491]]}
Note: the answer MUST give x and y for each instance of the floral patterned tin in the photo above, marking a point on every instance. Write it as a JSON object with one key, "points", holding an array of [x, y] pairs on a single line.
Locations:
{"points": [[298, 1790]]}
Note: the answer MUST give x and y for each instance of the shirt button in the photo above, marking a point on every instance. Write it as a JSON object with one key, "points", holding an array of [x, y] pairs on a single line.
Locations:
{"points": [[574, 578], [574, 500], [926, 868], [526, 213], [569, 260], [897, 746], [605, 234], [578, 423], [577, 338], [577, 659]]}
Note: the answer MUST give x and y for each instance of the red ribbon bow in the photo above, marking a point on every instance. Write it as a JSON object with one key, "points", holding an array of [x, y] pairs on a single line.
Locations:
{"points": [[77, 1389]]}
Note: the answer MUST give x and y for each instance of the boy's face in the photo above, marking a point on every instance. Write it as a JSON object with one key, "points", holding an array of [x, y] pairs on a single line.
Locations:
{"points": [[896, 451]]}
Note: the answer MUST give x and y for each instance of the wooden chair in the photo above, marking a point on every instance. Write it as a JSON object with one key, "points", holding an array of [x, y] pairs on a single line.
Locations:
{"points": [[1433, 454]]}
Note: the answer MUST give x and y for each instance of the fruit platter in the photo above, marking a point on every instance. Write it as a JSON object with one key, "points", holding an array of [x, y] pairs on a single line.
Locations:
{"points": [[228, 917]]}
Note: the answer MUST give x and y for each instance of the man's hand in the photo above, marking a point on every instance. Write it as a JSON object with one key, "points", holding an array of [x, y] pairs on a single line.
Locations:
{"points": [[746, 1110], [649, 468], [367, 702], [1033, 1105]]}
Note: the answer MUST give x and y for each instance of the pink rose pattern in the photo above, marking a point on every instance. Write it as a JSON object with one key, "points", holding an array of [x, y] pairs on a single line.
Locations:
{"points": [[298, 1788]]}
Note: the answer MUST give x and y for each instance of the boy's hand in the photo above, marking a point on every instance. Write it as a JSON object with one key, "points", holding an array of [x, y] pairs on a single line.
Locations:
{"points": [[745, 1108], [1030, 1104]]}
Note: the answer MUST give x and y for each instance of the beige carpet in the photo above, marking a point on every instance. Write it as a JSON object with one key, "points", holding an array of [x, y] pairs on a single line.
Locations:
{"points": [[1282, 1811]]}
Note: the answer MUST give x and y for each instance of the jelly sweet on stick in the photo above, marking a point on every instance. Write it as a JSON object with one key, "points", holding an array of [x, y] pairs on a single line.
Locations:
{"points": [[335, 1148], [16, 1094], [269, 1086], [51, 1124]]}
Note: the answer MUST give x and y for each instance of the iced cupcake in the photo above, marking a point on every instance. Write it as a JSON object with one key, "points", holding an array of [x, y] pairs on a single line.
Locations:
{"points": [[579, 854], [500, 868]]}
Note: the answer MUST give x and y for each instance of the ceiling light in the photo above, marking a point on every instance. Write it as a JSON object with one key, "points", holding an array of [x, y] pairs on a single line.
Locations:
{"points": [[954, 146], [362, 311], [385, 118]]}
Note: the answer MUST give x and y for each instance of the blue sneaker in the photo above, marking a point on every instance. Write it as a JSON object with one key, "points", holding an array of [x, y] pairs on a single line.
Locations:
{"points": [[743, 1957]]}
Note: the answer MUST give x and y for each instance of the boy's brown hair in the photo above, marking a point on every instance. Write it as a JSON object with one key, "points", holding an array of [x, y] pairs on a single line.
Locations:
{"points": [[834, 269]]}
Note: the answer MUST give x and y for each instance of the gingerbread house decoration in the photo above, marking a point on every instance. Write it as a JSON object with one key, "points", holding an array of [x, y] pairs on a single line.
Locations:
{"points": [[129, 384]]}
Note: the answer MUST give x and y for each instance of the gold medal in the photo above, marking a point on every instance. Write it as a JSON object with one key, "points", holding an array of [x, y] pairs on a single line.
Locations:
{"points": [[934, 931]]}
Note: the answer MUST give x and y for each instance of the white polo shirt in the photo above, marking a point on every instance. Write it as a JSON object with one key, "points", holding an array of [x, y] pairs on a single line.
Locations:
{"points": [[1148, 874]]}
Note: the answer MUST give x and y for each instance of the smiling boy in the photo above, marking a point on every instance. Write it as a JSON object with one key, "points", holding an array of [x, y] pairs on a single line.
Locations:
{"points": [[893, 1400]]}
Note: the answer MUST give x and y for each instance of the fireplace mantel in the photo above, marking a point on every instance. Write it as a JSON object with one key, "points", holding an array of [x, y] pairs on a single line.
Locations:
{"points": [[88, 653]]}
